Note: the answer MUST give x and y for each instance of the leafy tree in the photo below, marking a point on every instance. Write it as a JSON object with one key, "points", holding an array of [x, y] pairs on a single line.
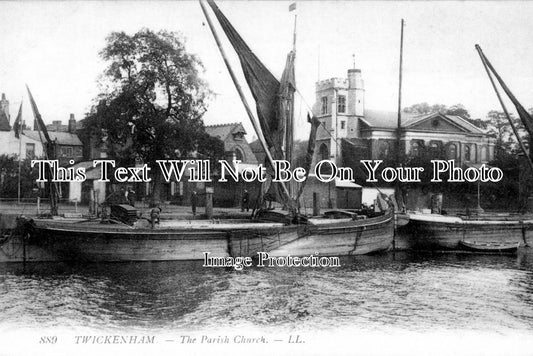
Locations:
{"points": [[9, 177], [457, 110], [152, 102]]}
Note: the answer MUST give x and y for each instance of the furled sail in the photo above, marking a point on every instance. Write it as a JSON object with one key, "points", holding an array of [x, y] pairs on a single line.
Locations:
{"points": [[38, 119], [275, 108], [263, 85], [526, 119], [50, 151]]}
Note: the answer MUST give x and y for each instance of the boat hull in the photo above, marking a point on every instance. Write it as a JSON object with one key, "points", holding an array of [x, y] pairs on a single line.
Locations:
{"points": [[431, 231], [342, 238], [490, 247], [48, 240], [68, 243]]}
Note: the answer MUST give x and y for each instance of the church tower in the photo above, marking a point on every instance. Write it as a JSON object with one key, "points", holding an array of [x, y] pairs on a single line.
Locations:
{"points": [[340, 102]]}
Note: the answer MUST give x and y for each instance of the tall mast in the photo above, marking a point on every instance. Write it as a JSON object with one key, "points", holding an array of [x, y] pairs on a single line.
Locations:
{"points": [[289, 122], [19, 117], [241, 94], [49, 152], [399, 126], [486, 65]]}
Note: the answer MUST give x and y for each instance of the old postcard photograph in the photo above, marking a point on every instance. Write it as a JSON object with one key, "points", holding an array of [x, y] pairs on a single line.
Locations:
{"points": [[266, 177]]}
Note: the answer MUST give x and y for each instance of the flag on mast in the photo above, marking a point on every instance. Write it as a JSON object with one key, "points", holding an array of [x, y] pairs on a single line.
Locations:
{"points": [[292, 7], [17, 126]]}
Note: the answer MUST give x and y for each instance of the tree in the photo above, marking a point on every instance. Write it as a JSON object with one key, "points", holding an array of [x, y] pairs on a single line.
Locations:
{"points": [[152, 102], [9, 177], [457, 110]]}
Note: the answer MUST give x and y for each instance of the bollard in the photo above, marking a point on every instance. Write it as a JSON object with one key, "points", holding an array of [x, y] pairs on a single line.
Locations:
{"points": [[209, 202], [316, 204]]}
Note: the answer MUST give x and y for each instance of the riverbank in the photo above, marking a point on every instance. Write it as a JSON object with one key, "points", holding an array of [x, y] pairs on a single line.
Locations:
{"points": [[168, 211]]}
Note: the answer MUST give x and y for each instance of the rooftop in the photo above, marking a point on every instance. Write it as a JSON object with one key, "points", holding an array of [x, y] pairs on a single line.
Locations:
{"points": [[63, 138], [223, 130]]}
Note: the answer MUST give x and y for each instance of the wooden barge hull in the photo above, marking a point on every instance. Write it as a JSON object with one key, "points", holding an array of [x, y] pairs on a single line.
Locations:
{"points": [[342, 238], [113, 245], [56, 241], [430, 232], [47, 240]]}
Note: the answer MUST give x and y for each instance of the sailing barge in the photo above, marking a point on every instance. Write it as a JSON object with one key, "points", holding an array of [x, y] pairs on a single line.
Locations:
{"points": [[56, 240], [481, 232]]}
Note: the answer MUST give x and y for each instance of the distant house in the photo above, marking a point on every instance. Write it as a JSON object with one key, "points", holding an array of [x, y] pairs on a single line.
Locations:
{"points": [[235, 144], [68, 147]]}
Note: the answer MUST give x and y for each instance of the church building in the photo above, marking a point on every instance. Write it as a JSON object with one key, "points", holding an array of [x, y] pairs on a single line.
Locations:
{"points": [[350, 132]]}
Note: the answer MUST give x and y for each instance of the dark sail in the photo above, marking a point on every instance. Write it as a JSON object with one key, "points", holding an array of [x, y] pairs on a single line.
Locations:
{"points": [[263, 85], [284, 133], [275, 109], [41, 126], [286, 105], [49, 148], [315, 123], [17, 126], [527, 120]]}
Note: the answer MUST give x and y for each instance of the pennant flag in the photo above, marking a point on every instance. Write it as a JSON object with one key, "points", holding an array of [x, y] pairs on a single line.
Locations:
{"points": [[17, 126], [292, 7], [40, 124]]}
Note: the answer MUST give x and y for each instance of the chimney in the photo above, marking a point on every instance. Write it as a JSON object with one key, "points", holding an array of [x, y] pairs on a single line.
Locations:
{"points": [[56, 126], [72, 124]]}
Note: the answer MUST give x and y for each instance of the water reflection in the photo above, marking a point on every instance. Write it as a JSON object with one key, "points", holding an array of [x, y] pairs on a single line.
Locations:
{"points": [[402, 290]]}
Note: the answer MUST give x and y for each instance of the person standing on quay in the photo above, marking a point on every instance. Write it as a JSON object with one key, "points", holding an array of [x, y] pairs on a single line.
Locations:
{"points": [[245, 199], [194, 200]]}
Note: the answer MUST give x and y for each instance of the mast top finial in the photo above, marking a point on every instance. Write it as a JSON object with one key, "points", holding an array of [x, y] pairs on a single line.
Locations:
{"points": [[353, 58]]}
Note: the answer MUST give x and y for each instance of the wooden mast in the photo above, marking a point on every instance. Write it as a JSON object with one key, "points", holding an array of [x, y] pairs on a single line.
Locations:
{"points": [[241, 94], [290, 126], [399, 125], [49, 151], [515, 131], [398, 192], [19, 117]]}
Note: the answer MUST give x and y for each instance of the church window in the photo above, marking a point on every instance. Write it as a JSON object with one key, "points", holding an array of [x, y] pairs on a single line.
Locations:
{"points": [[341, 104], [384, 149], [452, 151], [323, 154], [324, 105], [483, 154], [435, 149], [343, 125], [415, 149], [467, 153]]}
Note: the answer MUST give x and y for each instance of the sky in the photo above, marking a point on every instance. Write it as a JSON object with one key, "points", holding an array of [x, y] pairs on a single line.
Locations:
{"points": [[54, 48]]}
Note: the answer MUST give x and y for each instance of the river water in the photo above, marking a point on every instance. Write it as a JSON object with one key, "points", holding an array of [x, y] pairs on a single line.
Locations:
{"points": [[395, 292]]}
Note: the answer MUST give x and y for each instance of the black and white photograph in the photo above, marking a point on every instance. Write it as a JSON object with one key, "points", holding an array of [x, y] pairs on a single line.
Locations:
{"points": [[266, 177]]}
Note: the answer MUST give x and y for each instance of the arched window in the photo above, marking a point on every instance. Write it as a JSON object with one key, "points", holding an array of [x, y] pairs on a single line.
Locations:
{"points": [[452, 151], [435, 149], [483, 154], [323, 152], [415, 149], [384, 149], [467, 153], [239, 155]]}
